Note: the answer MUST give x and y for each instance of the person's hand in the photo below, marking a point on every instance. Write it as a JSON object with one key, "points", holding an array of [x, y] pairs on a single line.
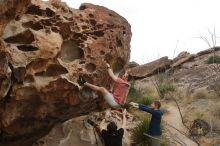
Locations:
{"points": [[108, 66], [108, 114], [101, 125], [124, 112], [135, 105], [103, 121]]}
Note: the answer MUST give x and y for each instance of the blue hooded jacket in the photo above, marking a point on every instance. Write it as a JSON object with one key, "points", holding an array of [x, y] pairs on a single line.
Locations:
{"points": [[154, 127]]}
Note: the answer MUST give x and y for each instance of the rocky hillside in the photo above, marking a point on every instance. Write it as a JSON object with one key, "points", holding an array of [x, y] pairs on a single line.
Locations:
{"points": [[45, 48], [186, 69], [193, 80]]}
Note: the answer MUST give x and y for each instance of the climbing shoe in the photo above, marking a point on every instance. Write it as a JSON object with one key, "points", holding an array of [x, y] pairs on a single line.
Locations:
{"points": [[81, 81]]}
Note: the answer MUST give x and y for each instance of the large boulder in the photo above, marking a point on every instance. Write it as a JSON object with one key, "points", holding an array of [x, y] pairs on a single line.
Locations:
{"points": [[151, 68], [77, 131], [44, 52], [132, 65], [181, 58], [208, 51]]}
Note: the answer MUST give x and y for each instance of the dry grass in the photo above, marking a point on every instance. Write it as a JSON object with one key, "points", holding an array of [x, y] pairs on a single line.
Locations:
{"points": [[216, 110], [216, 117], [200, 94], [216, 125], [150, 90], [137, 133]]}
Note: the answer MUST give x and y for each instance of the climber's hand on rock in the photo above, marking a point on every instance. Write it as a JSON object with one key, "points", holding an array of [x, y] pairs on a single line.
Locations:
{"points": [[108, 66], [135, 105], [124, 112], [103, 121], [107, 114]]}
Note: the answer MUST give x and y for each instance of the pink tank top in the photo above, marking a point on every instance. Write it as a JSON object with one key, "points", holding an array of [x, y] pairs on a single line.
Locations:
{"points": [[121, 90]]}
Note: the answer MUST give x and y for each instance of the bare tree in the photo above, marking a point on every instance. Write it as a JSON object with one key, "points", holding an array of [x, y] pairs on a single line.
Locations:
{"points": [[214, 68]]}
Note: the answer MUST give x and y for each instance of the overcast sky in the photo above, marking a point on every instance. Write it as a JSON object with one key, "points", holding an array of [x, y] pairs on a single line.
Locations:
{"points": [[160, 26]]}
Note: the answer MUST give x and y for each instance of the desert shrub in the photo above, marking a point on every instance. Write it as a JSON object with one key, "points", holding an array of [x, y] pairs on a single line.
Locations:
{"points": [[200, 116], [146, 100], [216, 111], [137, 96], [216, 87], [150, 90], [137, 133], [213, 59], [134, 92], [166, 88], [216, 125], [143, 99], [201, 94], [139, 139], [164, 85], [216, 48]]}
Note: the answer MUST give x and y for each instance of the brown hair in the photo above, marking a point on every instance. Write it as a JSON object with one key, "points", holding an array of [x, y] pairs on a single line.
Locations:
{"points": [[157, 104]]}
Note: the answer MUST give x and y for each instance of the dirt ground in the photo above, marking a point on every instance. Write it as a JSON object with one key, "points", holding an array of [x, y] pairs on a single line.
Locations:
{"points": [[176, 132]]}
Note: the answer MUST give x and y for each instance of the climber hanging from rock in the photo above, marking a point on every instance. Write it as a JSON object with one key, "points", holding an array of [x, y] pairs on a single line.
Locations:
{"points": [[120, 93]]}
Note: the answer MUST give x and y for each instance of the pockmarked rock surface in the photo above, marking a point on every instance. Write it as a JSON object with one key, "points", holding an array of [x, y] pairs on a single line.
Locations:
{"points": [[43, 54], [77, 131], [10, 9]]}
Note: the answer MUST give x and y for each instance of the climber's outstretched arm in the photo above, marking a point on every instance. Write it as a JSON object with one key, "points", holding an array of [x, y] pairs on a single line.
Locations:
{"points": [[111, 74], [144, 108], [101, 126], [124, 120]]}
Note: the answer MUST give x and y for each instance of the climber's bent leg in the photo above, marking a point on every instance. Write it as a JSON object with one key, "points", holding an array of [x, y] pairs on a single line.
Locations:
{"points": [[97, 88], [109, 98]]}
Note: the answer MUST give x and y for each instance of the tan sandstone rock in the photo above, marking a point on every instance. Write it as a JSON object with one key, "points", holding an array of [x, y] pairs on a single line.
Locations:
{"points": [[151, 68], [45, 51], [181, 58], [132, 64], [10, 9], [77, 131]]}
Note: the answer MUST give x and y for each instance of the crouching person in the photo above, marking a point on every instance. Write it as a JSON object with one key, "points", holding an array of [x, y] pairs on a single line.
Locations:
{"points": [[113, 136]]}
